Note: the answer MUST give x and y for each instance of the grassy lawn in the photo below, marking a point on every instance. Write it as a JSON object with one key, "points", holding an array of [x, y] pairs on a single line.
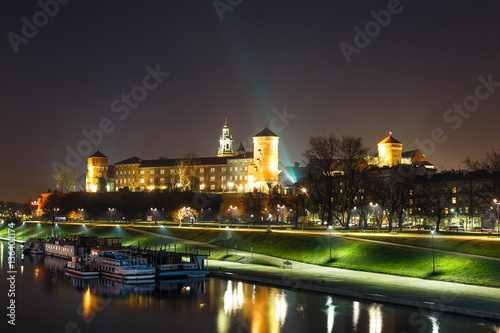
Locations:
{"points": [[315, 249], [481, 247], [352, 254]]}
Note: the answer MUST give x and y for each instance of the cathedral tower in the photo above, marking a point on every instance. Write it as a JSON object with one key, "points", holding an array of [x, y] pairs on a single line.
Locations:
{"points": [[225, 143]]}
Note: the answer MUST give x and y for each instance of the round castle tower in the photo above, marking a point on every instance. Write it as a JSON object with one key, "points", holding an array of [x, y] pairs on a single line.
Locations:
{"points": [[265, 159]]}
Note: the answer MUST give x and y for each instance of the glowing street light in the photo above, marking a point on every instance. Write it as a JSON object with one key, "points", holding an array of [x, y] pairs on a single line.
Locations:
{"points": [[498, 215], [433, 263]]}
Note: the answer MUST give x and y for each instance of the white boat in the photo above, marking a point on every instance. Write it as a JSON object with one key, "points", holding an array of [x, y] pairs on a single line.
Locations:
{"points": [[59, 250], [72, 246], [122, 265], [34, 245], [86, 270]]}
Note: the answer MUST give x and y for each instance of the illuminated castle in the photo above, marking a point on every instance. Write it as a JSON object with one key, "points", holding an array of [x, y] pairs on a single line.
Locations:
{"points": [[390, 153], [229, 171], [97, 172]]}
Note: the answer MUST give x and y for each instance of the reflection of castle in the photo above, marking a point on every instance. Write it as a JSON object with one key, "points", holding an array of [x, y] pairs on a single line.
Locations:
{"points": [[229, 171]]}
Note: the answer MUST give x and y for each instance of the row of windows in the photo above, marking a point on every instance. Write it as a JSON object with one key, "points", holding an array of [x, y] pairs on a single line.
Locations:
{"points": [[241, 161], [236, 168], [202, 179], [125, 172], [453, 190], [448, 210]]}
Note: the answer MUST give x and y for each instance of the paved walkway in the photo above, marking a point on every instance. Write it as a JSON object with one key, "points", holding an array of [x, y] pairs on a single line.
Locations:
{"points": [[427, 294]]}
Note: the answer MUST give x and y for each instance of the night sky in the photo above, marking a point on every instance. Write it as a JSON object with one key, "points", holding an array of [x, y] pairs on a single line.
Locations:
{"points": [[264, 55]]}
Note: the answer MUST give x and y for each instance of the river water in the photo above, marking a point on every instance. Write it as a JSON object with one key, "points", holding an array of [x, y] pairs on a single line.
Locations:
{"points": [[46, 300]]}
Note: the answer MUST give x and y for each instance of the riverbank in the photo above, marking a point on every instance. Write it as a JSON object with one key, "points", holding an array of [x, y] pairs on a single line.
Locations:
{"points": [[426, 298], [422, 294]]}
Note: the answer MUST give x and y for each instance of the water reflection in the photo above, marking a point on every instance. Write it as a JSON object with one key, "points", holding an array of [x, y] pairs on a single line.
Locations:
{"points": [[204, 305], [375, 314], [355, 316], [330, 314]]}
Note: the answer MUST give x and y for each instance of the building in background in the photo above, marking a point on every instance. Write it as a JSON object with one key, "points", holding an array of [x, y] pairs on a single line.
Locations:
{"points": [[229, 171]]}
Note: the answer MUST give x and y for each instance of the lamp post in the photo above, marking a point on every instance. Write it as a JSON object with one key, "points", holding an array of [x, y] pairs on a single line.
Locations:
{"points": [[498, 215], [111, 217], [330, 228], [433, 262]]}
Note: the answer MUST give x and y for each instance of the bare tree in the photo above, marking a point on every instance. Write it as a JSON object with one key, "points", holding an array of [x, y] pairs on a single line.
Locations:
{"points": [[434, 198], [66, 179], [253, 204], [321, 152]]}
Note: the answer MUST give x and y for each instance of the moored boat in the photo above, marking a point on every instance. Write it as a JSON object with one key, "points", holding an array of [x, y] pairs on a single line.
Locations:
{"points": [[122, 265], [34, 245], [176, 264], [83, 269]]}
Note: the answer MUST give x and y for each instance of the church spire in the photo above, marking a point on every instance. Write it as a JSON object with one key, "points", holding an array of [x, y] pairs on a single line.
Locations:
{"points": [[225, 142]]}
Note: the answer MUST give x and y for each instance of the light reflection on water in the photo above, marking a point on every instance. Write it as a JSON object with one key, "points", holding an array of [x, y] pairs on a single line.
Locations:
{"points": [[203, 305]]}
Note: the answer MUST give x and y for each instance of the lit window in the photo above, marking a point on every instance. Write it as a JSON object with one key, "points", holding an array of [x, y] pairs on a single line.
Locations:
{"points": [[454, 200], [466, 210], [142, 172], [151, 180], [212, 178], [223, 178], [454, 189], [231, 169], [152, 172], [223, 169], [202, 179], [202, 170], [162, 172], [142, 180], [212, 169], [246, 168], [446, 210]]}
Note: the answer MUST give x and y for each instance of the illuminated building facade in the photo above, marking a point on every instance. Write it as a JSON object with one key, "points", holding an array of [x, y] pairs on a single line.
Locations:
{"points": [[97, 172], [229, 171], [390, 153]]}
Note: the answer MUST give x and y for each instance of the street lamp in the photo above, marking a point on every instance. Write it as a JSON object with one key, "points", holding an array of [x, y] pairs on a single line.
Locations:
{"points": [[111, 217], [330, 228], [433, 262], [498, 215], [231, 210]]}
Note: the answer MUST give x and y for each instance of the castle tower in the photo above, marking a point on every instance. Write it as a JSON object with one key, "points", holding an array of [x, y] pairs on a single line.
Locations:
{"points": [[225, 143], [97, 171], [264, 173], [389, 152]]}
